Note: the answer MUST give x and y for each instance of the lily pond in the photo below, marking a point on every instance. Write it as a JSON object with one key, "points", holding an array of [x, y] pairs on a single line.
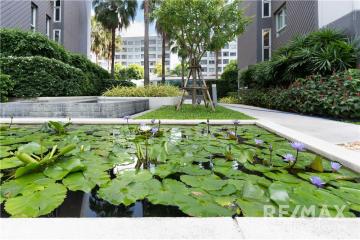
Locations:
{"points": [[65, 170]]}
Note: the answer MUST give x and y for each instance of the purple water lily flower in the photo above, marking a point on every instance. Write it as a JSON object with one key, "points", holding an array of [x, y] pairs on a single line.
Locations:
{"points": [[298, 146], [126, 117], [335, 166], [289, 157], [232, 133], [317, 181], [236, 122], [154, 131], [152, 121], [258, 141]]}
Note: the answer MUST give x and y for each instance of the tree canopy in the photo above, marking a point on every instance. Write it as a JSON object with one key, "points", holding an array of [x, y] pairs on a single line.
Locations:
{"points": [[201, 25]]}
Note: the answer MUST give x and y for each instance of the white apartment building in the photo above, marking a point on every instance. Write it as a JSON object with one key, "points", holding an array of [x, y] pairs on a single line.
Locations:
{"points": [[228, 53], [133, 52]]}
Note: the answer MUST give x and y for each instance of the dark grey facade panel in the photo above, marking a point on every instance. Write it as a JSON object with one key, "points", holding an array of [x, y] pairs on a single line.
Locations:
{"points": [[302, 18], [349, 24], [15, 14], [247, 42]]}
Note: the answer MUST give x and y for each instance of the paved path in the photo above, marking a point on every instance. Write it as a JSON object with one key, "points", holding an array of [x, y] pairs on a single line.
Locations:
{"points": [[325, 129]]}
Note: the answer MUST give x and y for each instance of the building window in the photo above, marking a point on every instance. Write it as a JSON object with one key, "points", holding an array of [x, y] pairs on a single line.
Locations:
{"points": [[33, 17], [266, 8], [57, 11], [211, 61], [233, 54], [281, 19], [225, 54], [57, 35], [225, 61], [48, 19], [266, 44]]}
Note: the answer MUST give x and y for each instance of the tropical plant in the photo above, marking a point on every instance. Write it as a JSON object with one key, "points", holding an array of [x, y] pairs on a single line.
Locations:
{"points": [[113, 15], [178, 70], [321, 52], [335, 96], [149, 91], [210, 24]]}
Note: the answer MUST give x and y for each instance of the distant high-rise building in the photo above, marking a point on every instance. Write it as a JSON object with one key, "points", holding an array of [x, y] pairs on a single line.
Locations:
{"points": [[276, 22], [227, 54], [133, 52], [66, 22]]}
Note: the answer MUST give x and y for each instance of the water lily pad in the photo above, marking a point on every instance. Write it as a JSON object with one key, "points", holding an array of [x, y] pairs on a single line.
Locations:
{"points": [[33, 148], [11, 162], [282, 177], [253, 192], [170, 192], [5, 151], [62, 168], [279, 193], [317, 164], [210, 182], [252, 208], [43, 201], [78, 182]]}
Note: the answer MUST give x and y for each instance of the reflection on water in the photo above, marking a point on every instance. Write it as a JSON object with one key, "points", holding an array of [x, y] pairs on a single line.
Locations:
{"points": [[79, 204]]}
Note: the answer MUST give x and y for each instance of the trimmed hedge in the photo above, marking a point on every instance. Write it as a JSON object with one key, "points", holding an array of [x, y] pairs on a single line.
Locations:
{"points": [[150, 91], [336, 96], [21, 44], [6, 86], [43, 77]]}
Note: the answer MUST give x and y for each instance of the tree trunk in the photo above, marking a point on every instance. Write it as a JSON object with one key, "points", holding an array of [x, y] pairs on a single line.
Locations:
{"points": [[193, 69], [163, 48], [113, 32], [182, 72], [216, 65], [146, 43]]}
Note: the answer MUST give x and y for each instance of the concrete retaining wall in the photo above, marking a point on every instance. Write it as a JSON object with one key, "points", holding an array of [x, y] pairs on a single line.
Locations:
{"points": [[78, 109], [154, 102]]}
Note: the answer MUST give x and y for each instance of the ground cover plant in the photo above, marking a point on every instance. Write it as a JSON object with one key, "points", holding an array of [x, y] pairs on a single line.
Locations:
{"points": [[199, 171], [197, 112], [149, 91]]}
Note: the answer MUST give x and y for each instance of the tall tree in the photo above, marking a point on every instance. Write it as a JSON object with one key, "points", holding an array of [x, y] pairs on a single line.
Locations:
{"points": [[113, 15], [146, 43], [201, 25]]}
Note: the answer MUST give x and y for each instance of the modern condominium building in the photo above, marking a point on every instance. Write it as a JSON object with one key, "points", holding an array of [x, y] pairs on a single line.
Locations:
{"points": [[228, 53], [65, 21], [133, 52], [275, 22]]}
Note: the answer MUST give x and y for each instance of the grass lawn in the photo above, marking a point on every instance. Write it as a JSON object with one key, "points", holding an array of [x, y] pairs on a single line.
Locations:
{"points": [[189, 112]]}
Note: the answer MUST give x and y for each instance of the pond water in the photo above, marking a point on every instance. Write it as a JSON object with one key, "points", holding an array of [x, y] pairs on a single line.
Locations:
{"points": [[57, 170]]}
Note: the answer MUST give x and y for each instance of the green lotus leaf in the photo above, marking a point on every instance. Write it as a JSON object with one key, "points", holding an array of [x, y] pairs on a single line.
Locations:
{"points": [[164, 170], [194, 170], [282, 177], [16, 186], [227, 190], [252, 208], [62, 168], [169, 193], [11, 162], [243, 156], [33, 148], [5, 151], [40, 202], [342, 183], [238, 184], [258, 167], [279, 193], [78, 182], [350, 195], [252, 192], [210, 182], [225, 201]]}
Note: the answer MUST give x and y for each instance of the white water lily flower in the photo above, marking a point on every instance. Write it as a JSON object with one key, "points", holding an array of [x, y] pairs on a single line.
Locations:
{"points": [[145, 128]]}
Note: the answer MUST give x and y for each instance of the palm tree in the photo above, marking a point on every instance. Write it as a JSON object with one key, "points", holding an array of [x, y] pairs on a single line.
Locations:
{"points": [[114, 14], [96, 38], [164, 39], [146, 43]]}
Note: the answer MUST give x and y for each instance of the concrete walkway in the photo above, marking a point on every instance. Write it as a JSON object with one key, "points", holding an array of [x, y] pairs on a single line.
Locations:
{"points": [[324, 129]]}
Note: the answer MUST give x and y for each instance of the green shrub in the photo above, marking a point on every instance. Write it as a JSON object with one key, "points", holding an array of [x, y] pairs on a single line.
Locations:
{"points": [[40, 76], [322, 52], [110, 83], [150, 91], [6, 86], [21, 44], [335, 96], [229, 100], [133, 71]]}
